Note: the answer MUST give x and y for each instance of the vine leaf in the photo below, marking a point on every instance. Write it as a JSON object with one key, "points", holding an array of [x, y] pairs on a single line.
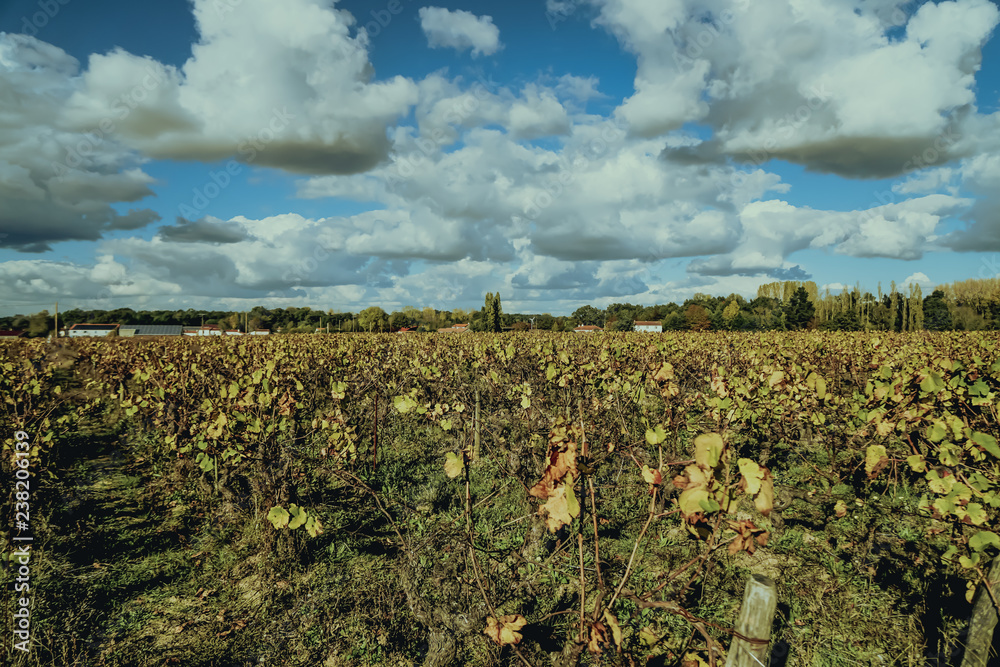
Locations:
{"points": [[875, 460], [504, 630], [278, 516], [652, 476], [562, 506], [454, 464], [708, 449]]}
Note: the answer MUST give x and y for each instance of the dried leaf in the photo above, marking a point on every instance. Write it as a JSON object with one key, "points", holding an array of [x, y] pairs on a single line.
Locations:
{"points": [[562, 506], [504, 630], [840, 509]]}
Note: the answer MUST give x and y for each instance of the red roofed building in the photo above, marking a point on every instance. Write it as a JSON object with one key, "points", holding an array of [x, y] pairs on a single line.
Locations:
{"points": [[587, 328], [13, 333]]}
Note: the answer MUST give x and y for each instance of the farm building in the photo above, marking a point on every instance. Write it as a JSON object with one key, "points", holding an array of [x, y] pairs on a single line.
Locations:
{"points": [[11, 334], [587, 328], [144, 330], [91, 330], [203, 330], [651, 327]]}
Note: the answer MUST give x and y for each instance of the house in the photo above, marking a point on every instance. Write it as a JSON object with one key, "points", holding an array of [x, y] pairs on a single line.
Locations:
{"points": [[233, 332], [652, 327], [587, 328], [146, 330], [203, 330], [260, 332], [92, 330], [407, 330], [13, 333]]}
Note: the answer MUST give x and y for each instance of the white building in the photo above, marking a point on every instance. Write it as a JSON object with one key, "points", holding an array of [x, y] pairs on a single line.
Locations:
{"points": [[651, 327], [91, 330]]}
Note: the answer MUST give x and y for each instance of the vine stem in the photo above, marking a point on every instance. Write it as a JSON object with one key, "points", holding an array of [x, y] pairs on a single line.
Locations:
{"points": [[635, 549]]}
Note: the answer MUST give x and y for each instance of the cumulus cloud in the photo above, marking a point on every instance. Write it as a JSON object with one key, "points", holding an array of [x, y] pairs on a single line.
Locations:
{"points": [[57, 184], [460, 30], [301, 99], [826, 85]]}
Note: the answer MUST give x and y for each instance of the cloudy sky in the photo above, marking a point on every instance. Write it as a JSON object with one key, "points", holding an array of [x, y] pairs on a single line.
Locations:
{"points": [[229, 153]]}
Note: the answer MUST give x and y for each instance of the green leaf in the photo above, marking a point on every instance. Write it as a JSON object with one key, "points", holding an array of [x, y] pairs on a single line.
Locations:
{"points": [[917, 463], [932, 383], [278, 516], [983, 539], [525, 402], [937, 431], [404, 404], [299, 514], [987, 442], [656, 435]]}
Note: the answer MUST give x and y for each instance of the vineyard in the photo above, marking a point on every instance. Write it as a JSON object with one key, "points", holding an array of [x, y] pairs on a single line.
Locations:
{"points": [[494, 499]]}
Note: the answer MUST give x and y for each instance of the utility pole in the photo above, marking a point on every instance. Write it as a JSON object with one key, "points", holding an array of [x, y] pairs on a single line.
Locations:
{"points": [[57, 321]]}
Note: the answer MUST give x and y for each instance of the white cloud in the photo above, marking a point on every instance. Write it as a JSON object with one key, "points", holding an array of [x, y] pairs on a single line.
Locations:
{"points": [[460, 30], [817, 83], [57, 184], [300, 99]]}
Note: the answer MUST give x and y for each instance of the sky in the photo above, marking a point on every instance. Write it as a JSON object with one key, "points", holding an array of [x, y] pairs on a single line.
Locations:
{"points": [[223, 154]]}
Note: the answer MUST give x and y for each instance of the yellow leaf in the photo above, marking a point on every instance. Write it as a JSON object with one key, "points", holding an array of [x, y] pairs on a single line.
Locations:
{"points": [[690, 500], [752, 475], [840, 509], [707, 449], [454, 464]]}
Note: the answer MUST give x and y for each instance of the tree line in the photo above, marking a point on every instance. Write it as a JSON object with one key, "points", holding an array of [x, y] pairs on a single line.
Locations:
{"points": [[968, 305]]}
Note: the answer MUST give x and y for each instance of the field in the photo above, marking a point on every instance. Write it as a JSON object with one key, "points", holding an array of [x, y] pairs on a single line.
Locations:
{"points": [[484, 499]]}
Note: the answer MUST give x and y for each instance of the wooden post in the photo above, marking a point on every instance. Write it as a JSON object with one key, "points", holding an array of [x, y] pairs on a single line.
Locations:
{"points": [[475, 426], [57, 321], [983, 621], [760, 601]]}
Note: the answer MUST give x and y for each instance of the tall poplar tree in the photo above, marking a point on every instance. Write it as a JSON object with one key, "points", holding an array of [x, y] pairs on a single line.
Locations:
{"points": [[497, 314]]}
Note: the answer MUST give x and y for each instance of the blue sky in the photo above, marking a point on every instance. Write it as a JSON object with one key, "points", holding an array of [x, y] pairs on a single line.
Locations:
{"points": [[229, 153]]}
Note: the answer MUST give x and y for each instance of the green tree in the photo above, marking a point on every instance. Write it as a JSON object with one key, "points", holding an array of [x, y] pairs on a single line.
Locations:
{"points": [[799, 310], [937, 316], [496, 320], [40, 324], [588, 315], [373, 319]]}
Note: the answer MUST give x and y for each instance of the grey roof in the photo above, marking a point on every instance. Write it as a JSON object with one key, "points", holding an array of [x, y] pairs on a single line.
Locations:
{"points": [[156, 329]]}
